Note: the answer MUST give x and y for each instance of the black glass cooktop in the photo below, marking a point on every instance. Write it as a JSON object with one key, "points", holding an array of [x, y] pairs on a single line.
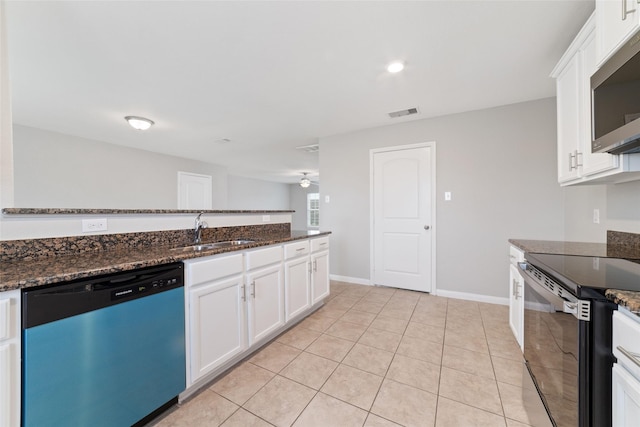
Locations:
{"points": [[589, 272]]}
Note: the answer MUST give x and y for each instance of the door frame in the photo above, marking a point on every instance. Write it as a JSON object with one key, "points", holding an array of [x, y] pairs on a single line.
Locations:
{"points": [[372, 152]]}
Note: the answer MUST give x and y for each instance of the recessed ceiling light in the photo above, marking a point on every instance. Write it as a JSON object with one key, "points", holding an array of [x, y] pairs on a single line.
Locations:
{"points": [[139, 123], [395, 67]]}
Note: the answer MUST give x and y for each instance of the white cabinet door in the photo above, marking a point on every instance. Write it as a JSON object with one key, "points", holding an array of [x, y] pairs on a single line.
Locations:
{"points": [[568, 104], [625, 398], [217, 324], [297, 286], [319, 276], [10, 358], [516, 304], [6, 390], [265, 297], [616, 21]]}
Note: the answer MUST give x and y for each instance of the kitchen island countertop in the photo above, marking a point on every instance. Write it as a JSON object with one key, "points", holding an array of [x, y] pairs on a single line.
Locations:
{"points": [[18, 274]]}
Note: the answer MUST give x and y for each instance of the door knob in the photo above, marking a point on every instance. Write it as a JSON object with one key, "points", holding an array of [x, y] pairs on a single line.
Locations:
{"points": [[426, 227]]}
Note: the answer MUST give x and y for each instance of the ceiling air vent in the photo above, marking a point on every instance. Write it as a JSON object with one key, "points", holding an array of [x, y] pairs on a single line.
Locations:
{"points": [[313, 148], [407, 112]]}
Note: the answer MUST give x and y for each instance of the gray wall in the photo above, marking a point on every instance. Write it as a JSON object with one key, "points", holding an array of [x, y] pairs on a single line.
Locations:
{"points": [[499, 164], [619, 206], [298, 196], [57, 170], [256, 194]]}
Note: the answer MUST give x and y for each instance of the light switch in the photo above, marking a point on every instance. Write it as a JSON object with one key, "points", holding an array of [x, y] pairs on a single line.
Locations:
{"points": [[447, 195], [327, 199]]}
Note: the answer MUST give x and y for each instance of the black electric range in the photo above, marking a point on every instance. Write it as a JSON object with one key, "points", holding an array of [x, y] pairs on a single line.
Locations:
{"points": [[580, 274], [568, 332]]}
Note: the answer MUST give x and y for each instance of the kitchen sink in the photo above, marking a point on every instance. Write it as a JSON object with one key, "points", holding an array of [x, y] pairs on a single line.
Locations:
{"points": [[215, 245]]}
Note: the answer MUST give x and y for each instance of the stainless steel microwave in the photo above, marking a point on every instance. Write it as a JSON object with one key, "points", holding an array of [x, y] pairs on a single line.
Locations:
{"points": [[615, 102]]}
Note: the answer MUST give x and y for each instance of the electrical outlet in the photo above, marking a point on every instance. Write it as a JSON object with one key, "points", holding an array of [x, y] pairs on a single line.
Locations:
{"points": [[266, 218], [89, 225], [596, 216]]}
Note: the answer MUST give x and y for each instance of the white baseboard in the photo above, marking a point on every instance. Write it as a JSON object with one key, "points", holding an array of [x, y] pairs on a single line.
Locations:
{"points": [[439, 292], [347, 279], [472, 297]]}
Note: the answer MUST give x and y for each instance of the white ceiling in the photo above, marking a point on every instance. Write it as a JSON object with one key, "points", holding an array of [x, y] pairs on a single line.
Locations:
{"points": [[271, 76]]}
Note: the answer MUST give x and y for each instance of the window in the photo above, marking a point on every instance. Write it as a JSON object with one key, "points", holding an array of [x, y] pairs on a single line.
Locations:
{"points": [[313, 210]]}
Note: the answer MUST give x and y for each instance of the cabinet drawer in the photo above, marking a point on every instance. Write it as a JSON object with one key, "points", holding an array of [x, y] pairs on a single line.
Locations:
{"points": [[319, 244], [5, 321], [296, 249], [515, 255], [207, 269], [626, 338], [262, 257]]}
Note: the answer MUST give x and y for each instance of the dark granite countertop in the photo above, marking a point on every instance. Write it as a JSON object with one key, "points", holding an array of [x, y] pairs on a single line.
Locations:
{"points": [[17, 274], [85, 211], [615, 248]]}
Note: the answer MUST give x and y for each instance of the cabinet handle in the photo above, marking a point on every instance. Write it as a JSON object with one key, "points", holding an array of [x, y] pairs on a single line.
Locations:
{"points": [[244, 293], [315, 265], [516, 288], [253, 289], [632, 356], [571, 158], [299, 249], [626, 11], [578, 160]]}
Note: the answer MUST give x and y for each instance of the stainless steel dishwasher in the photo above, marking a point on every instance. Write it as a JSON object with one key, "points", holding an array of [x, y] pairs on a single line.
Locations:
{"points": [[104, 351]]}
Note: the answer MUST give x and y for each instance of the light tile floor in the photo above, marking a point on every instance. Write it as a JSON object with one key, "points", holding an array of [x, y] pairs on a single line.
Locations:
{"points": [[375, 356]]}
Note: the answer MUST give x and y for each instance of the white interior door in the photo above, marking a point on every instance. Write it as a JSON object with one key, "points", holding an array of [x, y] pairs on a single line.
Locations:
{"points": [[194, 191], [402, 230]]}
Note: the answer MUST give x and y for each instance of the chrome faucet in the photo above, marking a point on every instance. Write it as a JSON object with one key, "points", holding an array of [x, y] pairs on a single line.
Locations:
{"points": [[197, 229]]}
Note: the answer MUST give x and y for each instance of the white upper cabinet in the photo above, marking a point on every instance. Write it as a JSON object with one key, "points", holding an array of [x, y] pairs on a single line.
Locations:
{"points": [[617, 21], [576, 163]]}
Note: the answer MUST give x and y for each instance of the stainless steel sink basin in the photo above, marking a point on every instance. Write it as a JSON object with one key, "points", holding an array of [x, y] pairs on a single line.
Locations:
{"points": [[215, 245], [232, 243]]}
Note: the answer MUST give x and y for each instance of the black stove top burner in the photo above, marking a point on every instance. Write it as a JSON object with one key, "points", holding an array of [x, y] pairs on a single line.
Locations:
{"points": [[589, 272]]}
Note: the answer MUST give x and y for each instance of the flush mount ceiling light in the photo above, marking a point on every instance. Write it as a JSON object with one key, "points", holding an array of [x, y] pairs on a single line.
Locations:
{"points": [[304, 181], [139, 123], [395, 67]]}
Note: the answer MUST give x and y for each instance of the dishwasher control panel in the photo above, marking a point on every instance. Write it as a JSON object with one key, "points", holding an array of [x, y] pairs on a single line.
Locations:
{"points": [[55, 302]]}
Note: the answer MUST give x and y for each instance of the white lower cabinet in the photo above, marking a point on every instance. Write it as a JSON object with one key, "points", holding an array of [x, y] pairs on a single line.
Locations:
{"points": [[626, 398], [216, 325], [319, 276], [264, 293], [10, 348], [319, 269], [625, 375], [236, 302], [297, 286], [516, 295]]}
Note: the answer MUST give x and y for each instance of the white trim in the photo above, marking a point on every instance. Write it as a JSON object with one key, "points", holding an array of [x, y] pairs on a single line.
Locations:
{"points": [[473, 297], [347, 279], [434, 198]]}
